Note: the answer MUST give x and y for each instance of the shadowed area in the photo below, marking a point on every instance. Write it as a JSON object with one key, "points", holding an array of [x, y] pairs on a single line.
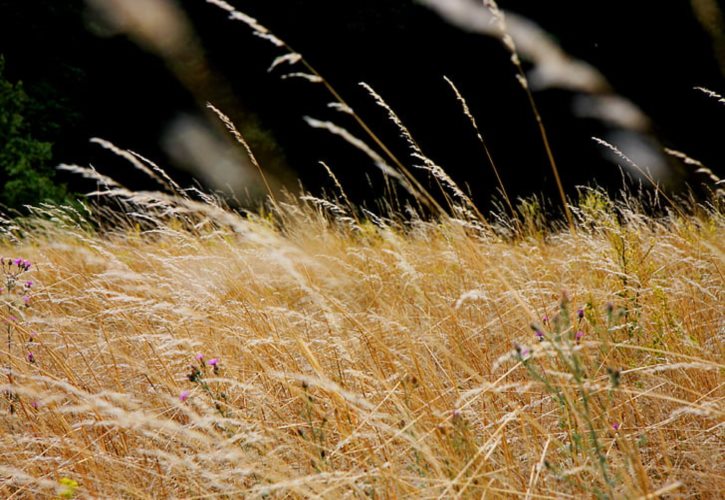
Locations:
{"points": [[139, 98]]}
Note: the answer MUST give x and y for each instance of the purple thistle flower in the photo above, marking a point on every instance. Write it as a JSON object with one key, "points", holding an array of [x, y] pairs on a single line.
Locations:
{"points": [[184, 395], [522, 351], [17, 262], [616, 426], [199, 357], [26, 299], [545, 319], [213, 362], [31, 357], [579, 336], [539, 335], [35, 405], [580, 313], [28, 284]]}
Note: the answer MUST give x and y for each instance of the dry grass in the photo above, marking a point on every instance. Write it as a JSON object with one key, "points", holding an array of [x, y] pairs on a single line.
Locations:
{"points": [[323, 351], [364, 357]]}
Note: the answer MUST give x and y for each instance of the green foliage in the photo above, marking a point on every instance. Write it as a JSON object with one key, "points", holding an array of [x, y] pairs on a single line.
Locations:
{"points": [[24, 172]]}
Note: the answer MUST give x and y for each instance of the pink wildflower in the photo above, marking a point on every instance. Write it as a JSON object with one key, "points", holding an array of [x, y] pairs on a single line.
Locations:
{"points": [[522, 351], [213, 362], [184, 395]]}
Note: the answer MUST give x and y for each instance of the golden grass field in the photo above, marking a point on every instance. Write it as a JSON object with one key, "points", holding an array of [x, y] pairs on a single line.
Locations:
{"points": [[174, 348], [363, 358]]}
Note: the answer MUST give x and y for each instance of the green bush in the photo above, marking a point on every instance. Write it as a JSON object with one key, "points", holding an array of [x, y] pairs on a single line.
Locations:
{"points": [[24, 173]]}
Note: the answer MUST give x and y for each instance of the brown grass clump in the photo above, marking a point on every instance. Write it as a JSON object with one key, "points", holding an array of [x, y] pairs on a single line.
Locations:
{"points": [[196, 353]]}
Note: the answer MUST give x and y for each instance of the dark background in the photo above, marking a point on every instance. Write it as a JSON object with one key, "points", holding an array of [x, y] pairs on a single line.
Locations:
{"points": [[652, 52]]}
